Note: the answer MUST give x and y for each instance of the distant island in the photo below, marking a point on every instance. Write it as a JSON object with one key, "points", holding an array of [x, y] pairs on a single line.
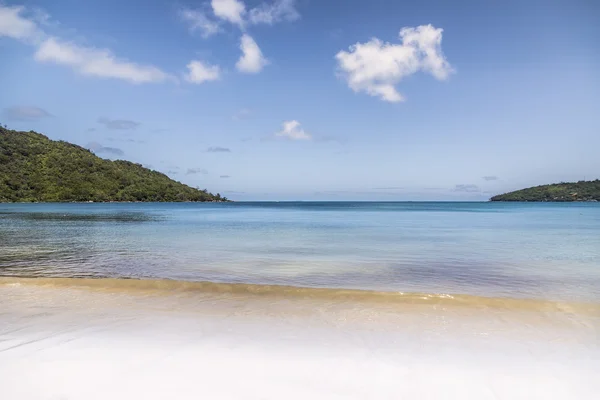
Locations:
{"points": [[34, 168], [560, 192]]}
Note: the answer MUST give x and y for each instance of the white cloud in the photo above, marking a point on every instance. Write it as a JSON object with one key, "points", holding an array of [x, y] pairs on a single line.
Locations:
{"points": [[96, 62], [85, 60], [279, 10], [252, 60], [15, 26], [198, 21], [375, 67], [229, 10], [199, 72], [292, 130]]}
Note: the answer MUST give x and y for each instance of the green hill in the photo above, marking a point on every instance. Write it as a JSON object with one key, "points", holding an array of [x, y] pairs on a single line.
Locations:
{"points": [[35, 168], [575, 191]]}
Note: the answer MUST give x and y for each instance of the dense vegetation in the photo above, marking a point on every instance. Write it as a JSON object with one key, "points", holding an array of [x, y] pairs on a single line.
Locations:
{"points": [[35, 168], [575, 191]]}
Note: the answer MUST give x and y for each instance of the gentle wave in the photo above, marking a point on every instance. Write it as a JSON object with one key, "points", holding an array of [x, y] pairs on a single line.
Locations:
{"points": [[167, 286]]}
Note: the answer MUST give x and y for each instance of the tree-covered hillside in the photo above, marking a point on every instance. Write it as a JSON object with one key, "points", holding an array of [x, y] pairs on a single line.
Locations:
{"points": [[35, 168], [575, 191]]}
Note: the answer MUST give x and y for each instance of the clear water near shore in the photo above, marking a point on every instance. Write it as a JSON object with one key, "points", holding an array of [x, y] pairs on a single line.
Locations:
{"points": [[515, 250]]}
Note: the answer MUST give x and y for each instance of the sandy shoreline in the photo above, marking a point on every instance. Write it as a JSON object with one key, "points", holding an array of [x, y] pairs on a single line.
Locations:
{"points": [[61, 342]]}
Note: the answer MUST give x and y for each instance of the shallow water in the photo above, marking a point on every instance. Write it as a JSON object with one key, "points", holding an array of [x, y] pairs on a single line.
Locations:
{"points": [[542, 251]]}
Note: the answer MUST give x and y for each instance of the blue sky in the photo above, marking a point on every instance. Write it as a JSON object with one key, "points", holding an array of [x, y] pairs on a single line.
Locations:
{"points": [[315, 100]]}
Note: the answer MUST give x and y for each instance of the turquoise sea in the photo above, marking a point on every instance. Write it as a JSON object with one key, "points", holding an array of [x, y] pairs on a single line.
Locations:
{"points": [[516, 250]]}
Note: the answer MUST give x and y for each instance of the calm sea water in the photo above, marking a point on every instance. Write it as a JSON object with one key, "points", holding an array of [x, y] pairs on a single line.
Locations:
{"points": [[488, 249]]}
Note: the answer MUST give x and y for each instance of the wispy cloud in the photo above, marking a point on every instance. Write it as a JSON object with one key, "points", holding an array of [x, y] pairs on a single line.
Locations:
{"points": [[236, 13], [468, 188], [21, 23], [101, 63], [218, 149], [389, 188], [224, 176], [192, 171], [14, 24], [128, 140], [118, 124], [279, 10], [376, 67], [25, 113], [199, 22], [490, 178], [97, 148]]}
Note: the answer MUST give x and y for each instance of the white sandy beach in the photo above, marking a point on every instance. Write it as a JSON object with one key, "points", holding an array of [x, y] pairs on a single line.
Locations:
{"points": [[64, 343]]}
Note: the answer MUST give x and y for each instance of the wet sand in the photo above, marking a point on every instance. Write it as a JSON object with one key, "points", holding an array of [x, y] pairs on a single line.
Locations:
{"points": [[126, 339]]}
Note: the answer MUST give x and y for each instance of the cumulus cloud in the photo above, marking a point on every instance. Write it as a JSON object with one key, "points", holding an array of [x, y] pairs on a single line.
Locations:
{"points": [[199, 72], [376, 67], [218, 149], [192, 171], [292, 130], [25, 113], [490, 178], [97, 148], [15, 25], [280, 10], [229, 10], [199, 22], [118, 124], [100, 63], [469, 188], [252, 60]]}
